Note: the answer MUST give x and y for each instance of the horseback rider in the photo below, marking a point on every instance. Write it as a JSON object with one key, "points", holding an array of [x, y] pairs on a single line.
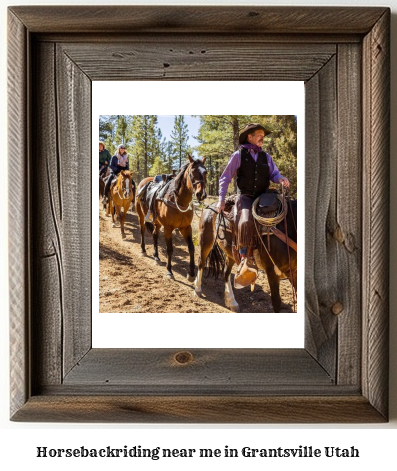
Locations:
{"points": [[118, 163], [104, 159], [254, 169]]}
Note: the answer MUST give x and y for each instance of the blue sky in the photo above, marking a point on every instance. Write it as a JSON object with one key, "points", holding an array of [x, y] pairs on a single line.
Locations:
{"points": [[166, 124]]}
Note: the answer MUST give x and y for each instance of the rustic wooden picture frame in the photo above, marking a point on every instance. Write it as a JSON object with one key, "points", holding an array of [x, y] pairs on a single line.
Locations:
{"points": [[342, 54]]}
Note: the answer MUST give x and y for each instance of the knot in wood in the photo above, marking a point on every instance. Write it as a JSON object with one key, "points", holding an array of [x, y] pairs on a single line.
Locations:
{"points": [[183, 358], [337, 308], [338, 235]]}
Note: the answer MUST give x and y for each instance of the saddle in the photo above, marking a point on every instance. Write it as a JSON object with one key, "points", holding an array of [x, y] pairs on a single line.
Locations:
{"points": [[113, 182], [269, 203], [155, 190]]}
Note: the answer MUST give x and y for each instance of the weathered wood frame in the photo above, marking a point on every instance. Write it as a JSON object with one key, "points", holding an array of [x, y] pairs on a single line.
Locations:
{"points": [[343, 56]]}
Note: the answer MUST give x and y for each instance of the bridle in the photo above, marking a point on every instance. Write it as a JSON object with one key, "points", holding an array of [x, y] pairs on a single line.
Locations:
{"points": [[196, 182], [193, 183], [126, 190]]}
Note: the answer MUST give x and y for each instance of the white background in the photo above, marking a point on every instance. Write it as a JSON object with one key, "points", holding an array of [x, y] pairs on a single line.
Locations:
{"points": [[230, 330], [19, 441]]}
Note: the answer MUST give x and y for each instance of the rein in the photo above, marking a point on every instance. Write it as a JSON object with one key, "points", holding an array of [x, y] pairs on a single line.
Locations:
{"points": [[184, 209], [289, 255]]}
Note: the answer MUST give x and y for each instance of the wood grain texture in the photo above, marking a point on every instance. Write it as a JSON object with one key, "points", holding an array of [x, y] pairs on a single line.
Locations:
{"points": [[199, 409], [73, 89], [18, 214], [194, 39], [347, 221], [62, 226], [48, 303], [199, 19], [341, 376], [376, 91], [168, 59], [249, 370], [320, 187]]}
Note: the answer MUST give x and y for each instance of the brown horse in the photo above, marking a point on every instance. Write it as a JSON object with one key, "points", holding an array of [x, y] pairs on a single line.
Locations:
{"points": [[120, 197], [281, 263], [175, 210]]}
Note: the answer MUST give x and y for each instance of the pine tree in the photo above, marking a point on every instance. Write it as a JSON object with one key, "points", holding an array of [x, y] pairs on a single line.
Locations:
{"points": [[145, 144], [107, 127], [122, 128], [219, 134], [179, 139]]}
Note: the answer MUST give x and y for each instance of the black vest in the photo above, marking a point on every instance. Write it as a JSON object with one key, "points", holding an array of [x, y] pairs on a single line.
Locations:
{"points": [[252, 177]]}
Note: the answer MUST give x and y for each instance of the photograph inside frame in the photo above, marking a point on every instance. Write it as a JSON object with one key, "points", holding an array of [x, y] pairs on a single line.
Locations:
{"points": [[197, 213], [203, 195]]}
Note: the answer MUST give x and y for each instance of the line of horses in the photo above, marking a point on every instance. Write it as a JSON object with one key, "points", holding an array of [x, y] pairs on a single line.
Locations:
{"points": [[175, 211]]}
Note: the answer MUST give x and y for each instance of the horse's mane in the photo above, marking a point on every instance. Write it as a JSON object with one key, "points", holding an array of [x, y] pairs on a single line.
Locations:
{"points": [[179, 178], [177, 181]]}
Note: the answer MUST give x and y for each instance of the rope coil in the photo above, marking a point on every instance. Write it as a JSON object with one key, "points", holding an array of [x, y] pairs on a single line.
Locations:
{"points": [[271, 221]]}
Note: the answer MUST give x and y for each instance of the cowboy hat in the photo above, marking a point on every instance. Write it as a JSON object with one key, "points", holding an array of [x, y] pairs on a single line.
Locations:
{"points": [[250, 128]]}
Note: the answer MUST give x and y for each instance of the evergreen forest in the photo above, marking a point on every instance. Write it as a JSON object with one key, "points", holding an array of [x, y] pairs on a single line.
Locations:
{"points": [[152, 154]]}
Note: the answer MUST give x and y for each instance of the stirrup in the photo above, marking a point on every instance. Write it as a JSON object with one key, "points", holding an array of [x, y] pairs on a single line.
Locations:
{"points": [[247, 273], [149, 217]]}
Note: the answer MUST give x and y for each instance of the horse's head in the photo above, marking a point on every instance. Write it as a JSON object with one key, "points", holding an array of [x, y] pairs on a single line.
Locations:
{"points": [[197, 174], [125, 183]]}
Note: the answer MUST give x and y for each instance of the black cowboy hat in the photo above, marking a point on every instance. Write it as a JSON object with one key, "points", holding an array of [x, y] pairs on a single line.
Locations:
{"points": [[250, 128]]}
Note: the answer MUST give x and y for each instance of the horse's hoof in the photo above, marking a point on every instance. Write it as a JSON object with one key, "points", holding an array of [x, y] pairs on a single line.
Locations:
{"points": [[232, 305], [198, 293], [123, 236], [113, 224], [143, 254], [169, 276], [157, 261], [190, 278]]}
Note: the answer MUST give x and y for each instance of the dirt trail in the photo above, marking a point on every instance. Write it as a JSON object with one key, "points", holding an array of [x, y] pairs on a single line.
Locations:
{"points": [[129, 282]]}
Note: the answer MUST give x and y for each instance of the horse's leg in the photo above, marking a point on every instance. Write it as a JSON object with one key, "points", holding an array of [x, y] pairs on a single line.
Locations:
{"points": [[122, 216], [156, 232], [168, 241], [109, 205], [230, 300], [274, 284], [111, 210], [206, 240], [187, 235], [197, 282], [141, 217], [118, 212]]}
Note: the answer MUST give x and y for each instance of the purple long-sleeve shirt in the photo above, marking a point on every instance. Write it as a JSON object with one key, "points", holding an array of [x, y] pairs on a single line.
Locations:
{"points": [[234, 163]]}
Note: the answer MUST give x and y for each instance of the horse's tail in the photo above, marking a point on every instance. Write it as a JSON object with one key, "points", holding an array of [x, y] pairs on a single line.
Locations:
{"points": [[215, 263]]}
